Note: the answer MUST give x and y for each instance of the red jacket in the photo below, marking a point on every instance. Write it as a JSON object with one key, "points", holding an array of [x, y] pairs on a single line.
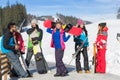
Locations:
{"points": [[20, 41], [101, 40]]}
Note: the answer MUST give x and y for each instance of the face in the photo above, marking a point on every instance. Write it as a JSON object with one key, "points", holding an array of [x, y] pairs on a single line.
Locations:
{"points": [[58, 26], [82, 25], [99, 28], [33, 25], [13, 28]]}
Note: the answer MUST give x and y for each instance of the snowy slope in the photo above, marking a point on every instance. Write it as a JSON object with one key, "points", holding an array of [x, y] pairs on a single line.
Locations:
{"points": [[113, 49]]}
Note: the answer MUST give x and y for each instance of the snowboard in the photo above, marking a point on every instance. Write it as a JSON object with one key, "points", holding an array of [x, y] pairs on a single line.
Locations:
{"points": [[39, 58], [94, 59], [69, 28]]}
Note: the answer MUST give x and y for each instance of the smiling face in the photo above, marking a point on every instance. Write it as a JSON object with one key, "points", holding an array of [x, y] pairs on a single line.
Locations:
{"points": [[33, 25], [13, 28], [58, 25]]}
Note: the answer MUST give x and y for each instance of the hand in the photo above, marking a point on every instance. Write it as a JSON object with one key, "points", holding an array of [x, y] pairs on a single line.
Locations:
{"points": [[94, 44], [30, 39], [88, 48], [16, 47]]}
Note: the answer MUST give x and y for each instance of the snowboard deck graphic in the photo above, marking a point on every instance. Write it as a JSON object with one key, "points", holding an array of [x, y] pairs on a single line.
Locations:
{"points": [[39, 58]]}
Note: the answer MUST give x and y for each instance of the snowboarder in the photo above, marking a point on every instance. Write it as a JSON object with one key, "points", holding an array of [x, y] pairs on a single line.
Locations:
{"points": [[32, 41], [58, 39], [101, 43], [78, 42], [10, 49]]}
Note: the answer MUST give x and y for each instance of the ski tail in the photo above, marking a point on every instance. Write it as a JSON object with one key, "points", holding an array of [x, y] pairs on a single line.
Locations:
{"points": [[94, 58]]}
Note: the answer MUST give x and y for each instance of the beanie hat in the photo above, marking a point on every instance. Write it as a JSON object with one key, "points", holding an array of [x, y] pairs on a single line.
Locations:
{"points": [[79, 22], [102, 24], [34, 21]]}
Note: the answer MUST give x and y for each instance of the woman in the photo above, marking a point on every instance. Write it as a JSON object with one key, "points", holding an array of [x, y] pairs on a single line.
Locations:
{"points": [[101, 43], [58, 39], [79, 41]]}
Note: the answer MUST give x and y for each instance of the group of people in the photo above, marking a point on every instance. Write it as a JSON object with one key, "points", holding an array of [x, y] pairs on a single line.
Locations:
{"points": [[58, 38]]}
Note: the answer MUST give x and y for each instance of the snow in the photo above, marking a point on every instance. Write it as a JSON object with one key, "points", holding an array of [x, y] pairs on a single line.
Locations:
{"points": [[112, 55], [113, 47]]}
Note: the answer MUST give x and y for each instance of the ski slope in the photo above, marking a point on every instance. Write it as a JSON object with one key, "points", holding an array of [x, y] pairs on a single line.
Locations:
{"points": [[113, 48]]}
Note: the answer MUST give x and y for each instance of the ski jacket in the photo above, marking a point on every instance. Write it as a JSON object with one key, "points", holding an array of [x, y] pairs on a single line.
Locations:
{"points": [[40, 34], [80, 39], [58, 38], [101, 40], [20, 41], [7, 43]]}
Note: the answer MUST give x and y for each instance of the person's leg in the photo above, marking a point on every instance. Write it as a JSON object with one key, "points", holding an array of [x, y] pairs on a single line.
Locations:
{"points": [[103, 61], [78, 63], [29, 56], [13, 58], [61, 69], [98, 59], [85, 56]]}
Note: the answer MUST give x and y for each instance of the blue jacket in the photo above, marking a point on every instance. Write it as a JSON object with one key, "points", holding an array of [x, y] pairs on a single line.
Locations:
{"points": [[11, 43], [82, 38], [56, 38]]}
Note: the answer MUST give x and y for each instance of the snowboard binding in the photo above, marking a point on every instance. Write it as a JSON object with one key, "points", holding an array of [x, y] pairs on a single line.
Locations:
{"points": [[35, 42]]}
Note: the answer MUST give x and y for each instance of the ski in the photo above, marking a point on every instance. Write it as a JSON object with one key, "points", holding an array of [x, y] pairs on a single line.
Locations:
{"points": [[94, 59], [78, 50]]}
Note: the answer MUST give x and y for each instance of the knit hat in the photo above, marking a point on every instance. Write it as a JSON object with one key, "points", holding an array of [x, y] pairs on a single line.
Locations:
{"points": [[102, 24], [79, 22], [34, 21]]}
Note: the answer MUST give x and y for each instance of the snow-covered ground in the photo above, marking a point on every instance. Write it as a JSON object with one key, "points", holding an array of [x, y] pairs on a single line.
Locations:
{"points": [[112, 55], [113, 48]]}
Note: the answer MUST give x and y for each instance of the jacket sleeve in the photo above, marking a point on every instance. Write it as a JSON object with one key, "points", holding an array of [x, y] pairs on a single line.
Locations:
{"points": [[6, 43], [29, 31], [49, 30], [65, 38], [101, 41]]}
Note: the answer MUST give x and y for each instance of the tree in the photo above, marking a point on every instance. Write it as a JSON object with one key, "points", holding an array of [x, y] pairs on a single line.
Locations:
{"points": [[12, 13]]}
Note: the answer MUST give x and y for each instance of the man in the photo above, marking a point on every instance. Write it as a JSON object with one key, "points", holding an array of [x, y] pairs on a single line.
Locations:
{"points": [[10, 49]]}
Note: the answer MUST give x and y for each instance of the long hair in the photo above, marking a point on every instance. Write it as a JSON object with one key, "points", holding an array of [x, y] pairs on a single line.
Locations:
{"points": [[84, 29], [102, 25]]}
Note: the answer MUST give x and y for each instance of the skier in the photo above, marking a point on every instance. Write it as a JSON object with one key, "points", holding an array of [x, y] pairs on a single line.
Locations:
{"points": [[101, 43], [10, 49], [83, 38], [58, 39]]}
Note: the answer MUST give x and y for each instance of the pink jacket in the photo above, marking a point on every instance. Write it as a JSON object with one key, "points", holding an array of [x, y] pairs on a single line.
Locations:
{"points": [[61, 39]]}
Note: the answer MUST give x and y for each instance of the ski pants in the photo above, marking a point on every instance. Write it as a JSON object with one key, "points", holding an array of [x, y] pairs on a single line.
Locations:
{"points": [[101, 61], [78, 57], [29, 56], [14, 60], [59, 62]]}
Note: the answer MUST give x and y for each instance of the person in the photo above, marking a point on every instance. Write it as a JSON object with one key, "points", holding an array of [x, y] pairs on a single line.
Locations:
{"points": [[10, 49], [58, 39], [101, 43], [79, 40]]}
